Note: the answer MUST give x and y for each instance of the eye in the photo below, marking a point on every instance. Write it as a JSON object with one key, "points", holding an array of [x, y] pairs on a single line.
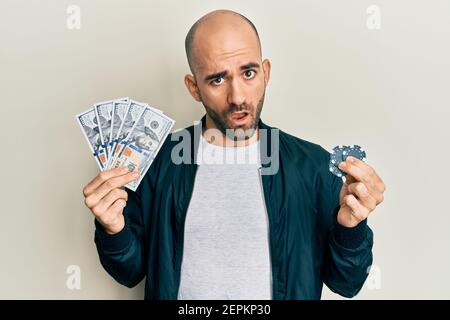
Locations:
{"points": [[217, 81], [249, 74]]}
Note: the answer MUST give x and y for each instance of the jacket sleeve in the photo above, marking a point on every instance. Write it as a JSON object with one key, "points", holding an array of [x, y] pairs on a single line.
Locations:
{"points": [[348, 251], [122, 254]]}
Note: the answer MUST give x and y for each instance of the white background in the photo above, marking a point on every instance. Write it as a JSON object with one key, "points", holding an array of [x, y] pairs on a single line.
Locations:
{"points": [[334, 81]]}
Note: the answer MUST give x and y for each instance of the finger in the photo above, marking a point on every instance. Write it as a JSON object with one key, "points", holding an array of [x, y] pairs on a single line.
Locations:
{"points": [[363, 195], [110, 216], [113, 183], [374, 183], [358, 172], [377, 184], [102, 177], [344, 192], [117, 206], [348, 179], [110, 198], [357, 209]]}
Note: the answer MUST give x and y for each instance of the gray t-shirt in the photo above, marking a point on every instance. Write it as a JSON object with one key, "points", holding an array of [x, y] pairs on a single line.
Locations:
{"points": [[226, 244]]}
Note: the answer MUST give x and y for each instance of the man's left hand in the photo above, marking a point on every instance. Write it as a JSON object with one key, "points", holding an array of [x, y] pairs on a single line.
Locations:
{"points": [[360, 194]]}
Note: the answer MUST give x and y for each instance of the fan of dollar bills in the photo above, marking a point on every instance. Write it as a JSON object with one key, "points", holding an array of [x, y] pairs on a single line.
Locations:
{"points": [[124, 132]]}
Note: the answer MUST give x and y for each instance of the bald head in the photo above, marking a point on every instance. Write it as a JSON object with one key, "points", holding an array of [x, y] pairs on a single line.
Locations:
{"points": [[216, 28]]}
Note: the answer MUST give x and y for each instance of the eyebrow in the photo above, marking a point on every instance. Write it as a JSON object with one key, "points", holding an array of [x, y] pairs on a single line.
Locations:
{"points": [[221, 74]]}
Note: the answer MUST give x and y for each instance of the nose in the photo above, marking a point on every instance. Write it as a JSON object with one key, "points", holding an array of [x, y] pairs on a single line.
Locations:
{"points": [[236, 93]]}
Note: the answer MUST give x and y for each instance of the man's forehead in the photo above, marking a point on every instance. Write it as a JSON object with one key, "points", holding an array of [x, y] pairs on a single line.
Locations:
{"points": [[222, 61], [222, 53]]}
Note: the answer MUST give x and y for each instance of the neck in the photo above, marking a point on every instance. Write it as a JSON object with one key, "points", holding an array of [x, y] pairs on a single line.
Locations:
{"points": [[217, 138]]}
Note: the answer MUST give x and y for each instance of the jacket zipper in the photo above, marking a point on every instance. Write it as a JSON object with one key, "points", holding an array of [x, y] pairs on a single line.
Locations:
{"points": [[265, 198], [182, 231]]}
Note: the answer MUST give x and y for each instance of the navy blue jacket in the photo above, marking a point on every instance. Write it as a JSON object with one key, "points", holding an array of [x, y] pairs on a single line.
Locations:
{"points": [[307, 246]]}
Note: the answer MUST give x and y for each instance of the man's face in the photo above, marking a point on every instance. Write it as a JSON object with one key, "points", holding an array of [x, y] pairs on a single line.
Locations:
{"points": [[230, 79]]}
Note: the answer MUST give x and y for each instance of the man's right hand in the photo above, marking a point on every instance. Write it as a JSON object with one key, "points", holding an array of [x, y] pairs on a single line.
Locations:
{"points": [[105, 198]]}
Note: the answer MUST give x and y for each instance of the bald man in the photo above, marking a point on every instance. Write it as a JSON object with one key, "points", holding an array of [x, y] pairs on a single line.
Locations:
{"points": [[245, 211]]}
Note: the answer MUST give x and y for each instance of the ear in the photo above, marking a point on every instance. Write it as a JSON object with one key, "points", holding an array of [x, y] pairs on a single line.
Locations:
{"points": [[192, 87], [266, 68]]}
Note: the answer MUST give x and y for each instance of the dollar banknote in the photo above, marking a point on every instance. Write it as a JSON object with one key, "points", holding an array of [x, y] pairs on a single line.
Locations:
{"points": [[124, 132], [90, 128], [142, 143], [103, 112], [119, 111], [134, 112]]}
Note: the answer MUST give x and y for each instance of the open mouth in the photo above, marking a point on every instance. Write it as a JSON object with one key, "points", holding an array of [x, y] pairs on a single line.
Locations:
{"points": [[239, 117]]}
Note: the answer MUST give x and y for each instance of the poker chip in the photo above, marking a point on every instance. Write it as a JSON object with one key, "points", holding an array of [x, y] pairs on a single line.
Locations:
{"points": [[340, 154], [337, 155], [354, 151], [336, 171]]}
